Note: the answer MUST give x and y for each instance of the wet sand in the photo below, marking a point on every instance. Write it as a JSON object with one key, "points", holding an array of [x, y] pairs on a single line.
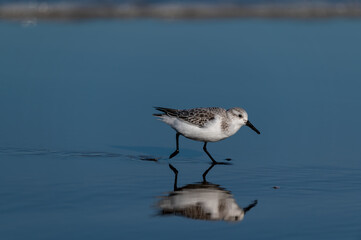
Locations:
{"points": [[66, 11]]}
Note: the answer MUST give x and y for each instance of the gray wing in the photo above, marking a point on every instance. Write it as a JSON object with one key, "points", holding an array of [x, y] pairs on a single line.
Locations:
{"points": [[196, 116]]}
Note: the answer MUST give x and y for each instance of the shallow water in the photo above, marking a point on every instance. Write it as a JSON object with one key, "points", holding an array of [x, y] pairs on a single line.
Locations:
{"points": [[82, 157]]}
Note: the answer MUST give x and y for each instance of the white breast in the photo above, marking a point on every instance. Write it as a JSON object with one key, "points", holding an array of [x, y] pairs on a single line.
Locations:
{"points": [[212, 132]]}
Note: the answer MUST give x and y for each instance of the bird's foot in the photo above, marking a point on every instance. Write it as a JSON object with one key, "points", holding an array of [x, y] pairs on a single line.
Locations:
{"points": [[174, 154]]}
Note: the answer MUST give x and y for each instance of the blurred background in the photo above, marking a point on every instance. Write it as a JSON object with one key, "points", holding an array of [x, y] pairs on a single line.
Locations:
{"points": [[187, 9], [82, 157]]}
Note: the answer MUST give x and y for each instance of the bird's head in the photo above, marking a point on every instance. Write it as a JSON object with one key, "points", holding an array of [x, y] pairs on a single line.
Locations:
{"points": [[240, 117]]}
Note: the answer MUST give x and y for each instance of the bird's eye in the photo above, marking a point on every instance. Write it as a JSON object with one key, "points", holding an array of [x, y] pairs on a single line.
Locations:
{"points": [[240, 115]]}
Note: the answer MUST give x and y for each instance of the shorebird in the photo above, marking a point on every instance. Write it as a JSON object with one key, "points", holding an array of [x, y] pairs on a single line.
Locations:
{"points": [[204, 124]]}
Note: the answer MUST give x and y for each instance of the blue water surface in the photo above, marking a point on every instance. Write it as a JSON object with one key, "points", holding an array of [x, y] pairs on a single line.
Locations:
{"points": [[82, 157]]}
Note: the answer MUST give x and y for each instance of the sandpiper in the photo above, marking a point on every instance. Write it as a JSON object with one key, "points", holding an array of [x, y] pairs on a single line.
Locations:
{"points": [[204, 124]]}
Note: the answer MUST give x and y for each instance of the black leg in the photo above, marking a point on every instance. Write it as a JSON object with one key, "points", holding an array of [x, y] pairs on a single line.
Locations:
{"points": [[175, 176], [209, 155], [177, 150], [206, 172]]}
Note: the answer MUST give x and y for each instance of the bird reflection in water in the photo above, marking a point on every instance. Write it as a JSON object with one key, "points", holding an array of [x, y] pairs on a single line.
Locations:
{"points": [[203, 201]]}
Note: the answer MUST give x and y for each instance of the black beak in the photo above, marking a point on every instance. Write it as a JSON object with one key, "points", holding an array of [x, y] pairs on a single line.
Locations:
{"points": [[249, 124]]}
